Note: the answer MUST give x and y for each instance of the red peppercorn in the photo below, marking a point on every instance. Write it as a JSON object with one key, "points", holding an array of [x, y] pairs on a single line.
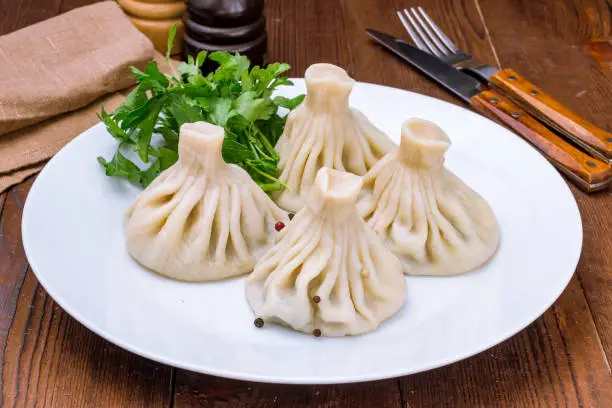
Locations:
{"points": [[279, 225]]}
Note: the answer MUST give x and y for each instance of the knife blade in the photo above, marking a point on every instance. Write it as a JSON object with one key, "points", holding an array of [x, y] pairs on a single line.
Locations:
{"points": [[589, 173]]}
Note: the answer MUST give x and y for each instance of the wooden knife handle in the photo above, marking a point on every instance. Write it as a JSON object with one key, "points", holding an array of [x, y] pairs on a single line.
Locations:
{"points": [[552, 112], [590, 173]]}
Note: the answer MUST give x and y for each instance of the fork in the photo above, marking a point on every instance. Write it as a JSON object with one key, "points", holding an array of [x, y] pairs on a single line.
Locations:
{"points": [[428, 37]]}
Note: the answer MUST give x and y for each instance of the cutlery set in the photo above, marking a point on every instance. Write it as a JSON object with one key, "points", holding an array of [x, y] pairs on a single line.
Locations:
{"points": [[577, 148]]}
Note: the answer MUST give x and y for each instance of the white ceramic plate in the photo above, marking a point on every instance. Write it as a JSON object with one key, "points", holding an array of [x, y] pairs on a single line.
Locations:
{"points": [[72, 233]]}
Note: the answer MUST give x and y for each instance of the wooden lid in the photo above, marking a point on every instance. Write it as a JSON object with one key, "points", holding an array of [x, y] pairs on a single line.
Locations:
{"points": [[158, 30], [145, 9]]}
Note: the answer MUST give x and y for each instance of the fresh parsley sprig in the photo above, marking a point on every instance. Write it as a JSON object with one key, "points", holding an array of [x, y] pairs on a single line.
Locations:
{"points": [[235, 96]]}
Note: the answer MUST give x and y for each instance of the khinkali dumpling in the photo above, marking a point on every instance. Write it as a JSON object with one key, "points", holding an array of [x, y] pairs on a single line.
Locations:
{"points": [[427, 216], [202, 219], [324, 131], [329, 274]]}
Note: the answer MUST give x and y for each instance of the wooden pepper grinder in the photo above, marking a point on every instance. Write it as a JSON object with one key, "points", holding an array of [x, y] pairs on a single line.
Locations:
{"points": [[154, 18], [226, 25]]}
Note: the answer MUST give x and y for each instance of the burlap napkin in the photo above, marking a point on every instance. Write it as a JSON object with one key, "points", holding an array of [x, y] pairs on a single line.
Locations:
{"points": [[65, 66], [23, 152]]}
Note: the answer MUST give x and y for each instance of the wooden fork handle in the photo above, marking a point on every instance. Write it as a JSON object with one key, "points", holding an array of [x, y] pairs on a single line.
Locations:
{"points": [[591, 138], [590, 173]]}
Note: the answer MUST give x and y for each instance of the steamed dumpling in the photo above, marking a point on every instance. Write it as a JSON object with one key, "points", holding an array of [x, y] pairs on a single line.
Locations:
{"points": [[202, 219], [329, 272], [324, 131], [427, 216]]}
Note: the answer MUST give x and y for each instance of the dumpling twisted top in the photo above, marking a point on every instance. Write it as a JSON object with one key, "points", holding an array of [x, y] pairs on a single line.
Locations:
{"points": [[429, 218], [325, 132]]}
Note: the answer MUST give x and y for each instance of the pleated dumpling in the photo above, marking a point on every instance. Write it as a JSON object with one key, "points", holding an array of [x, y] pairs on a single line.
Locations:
{"points": [[427, 216], [202, 219], [324, 131], [329, 274]]}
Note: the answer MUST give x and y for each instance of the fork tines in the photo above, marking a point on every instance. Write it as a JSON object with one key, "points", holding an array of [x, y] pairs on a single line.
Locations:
{"points": [[425, 33]]}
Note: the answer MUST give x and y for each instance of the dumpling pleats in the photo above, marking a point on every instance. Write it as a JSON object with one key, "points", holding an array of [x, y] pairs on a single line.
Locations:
{"points": [[427, 216], [325, 132], [201, 219], [329, 271]]}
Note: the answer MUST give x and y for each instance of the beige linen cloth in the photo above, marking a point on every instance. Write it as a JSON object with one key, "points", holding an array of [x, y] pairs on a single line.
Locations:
{"points": [[54, 76]]}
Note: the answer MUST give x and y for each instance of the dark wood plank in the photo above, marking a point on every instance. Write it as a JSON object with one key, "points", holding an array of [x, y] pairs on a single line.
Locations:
{"points": [[304, 32], [13, 263], [46, 357], [556, 361], [550, 50], [300, 33], [2, 200], [52, 360], [601, 51], [552, 55], [67, 5], [21, 13], [371, 63], [207, 391]]}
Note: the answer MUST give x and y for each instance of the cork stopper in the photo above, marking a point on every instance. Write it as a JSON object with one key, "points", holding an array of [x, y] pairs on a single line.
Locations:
{"points": [[423, 144], [334, 193], [328, 88]]}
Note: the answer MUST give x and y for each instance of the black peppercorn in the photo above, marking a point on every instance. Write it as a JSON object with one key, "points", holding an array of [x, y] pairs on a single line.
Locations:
{"points": [[259, 322], [317, 333], [316, 299]]}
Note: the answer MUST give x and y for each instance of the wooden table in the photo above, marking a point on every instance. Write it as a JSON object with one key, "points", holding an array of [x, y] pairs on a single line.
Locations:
{"points": [[48, 359]]}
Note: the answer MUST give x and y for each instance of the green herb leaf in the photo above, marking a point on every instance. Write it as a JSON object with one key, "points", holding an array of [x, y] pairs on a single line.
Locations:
{"points": [[167, 157], [235, 96], [188, 69], [201, 58], [120, 166], [230, 66], [253, 108], [170, 136], [158, 81], [234, 152], [146, 127], [150, 174], [113, 127], [171, 36], [136, 99], [220, 113], [280, 82], [288, 103], [278, 68], [272, 128], [183, 112]]}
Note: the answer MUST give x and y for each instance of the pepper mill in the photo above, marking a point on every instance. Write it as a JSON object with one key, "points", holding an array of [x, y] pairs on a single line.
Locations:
{"points": [[154, 18], [226, 25]]}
